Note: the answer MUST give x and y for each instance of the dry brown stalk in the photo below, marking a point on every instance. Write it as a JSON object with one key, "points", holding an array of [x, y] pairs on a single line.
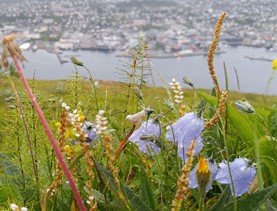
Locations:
{"points": [[53, 189], [212, 50], [183, 181], [109, 152], [220, 110]]}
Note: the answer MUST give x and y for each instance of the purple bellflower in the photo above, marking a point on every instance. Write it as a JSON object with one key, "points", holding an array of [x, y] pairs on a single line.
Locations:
{"points": [[147, 129], [183, 131], [242, 174], [90, 130], [211, 168]]}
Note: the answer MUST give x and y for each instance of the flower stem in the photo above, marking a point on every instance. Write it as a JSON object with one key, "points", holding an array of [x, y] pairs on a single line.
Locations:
{"points": [[230, 173], [124, 142], [202, 193], [50, 136], [258, 159]]}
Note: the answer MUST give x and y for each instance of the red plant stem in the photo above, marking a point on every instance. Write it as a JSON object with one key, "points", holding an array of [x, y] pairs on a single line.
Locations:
{"points": [[124, 142], [48, 132]]}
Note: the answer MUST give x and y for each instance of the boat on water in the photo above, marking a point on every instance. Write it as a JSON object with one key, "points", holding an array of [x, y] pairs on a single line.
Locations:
{"points": [[34, 48], [25, 46], [261, 58], [163, 55]]}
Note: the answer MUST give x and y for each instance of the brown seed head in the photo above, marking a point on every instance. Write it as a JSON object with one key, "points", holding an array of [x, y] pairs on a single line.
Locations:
{"points": [[10, 47]]}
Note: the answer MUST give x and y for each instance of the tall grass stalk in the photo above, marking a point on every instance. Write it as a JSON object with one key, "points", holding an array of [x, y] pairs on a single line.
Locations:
{"points": [[50, 135], [258, 159], [229, 170], [22, 115]]}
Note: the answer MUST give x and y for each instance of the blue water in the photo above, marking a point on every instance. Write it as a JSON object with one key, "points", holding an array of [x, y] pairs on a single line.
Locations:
{"points": [[253, 75]]}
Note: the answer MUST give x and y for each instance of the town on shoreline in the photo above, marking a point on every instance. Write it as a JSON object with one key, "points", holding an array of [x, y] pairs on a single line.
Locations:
{"points": [[170, 28]]}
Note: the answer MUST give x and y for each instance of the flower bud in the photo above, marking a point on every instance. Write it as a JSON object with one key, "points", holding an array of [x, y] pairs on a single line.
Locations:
{"points": [[203, 173], [245, 107], [188, 81], [137, 117], [76, 61]]}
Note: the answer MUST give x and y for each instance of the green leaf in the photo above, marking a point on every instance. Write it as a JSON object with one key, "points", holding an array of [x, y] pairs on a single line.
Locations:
{"points": [[254, 200], [223, 200], [134, 200], [244, 128], [5, 193], [8, 167], [272, 123], [146, 190], [267, 149], [22, 184]]}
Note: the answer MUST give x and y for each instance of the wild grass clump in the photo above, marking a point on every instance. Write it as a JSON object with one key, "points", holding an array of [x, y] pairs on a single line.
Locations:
{"points": [[92, 145]]}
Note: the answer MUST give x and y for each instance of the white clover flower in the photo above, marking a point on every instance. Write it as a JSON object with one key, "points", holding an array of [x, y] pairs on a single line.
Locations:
{"points": [[24, 209]]}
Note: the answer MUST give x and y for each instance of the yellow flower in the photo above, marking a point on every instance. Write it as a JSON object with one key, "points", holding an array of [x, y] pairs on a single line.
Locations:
{"points": [[274, 64], [82, 118], [203, 173], [58, 125], [68, 150]]}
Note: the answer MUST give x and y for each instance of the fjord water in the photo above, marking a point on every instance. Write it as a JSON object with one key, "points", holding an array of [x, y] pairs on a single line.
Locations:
{"points": [[253, 74]]}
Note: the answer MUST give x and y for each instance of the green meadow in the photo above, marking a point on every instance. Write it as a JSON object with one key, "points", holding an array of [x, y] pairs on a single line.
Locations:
{"points": [[84, 144]]}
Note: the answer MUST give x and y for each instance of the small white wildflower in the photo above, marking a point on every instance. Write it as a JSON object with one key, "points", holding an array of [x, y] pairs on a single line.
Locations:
{"points": [[63, 105], [75, 111], [88, 201], [13, 206], [86, 135], [101, 122], [67, 108], [24, 209], [137, 117], [177, 90], [91, 198], [101, 112], [77, 135]]}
